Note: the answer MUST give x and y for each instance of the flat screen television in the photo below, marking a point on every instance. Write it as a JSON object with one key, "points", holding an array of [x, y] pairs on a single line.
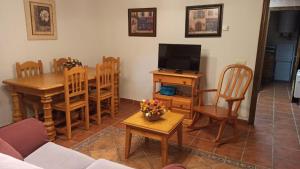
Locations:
{"points": [[179, 57]]}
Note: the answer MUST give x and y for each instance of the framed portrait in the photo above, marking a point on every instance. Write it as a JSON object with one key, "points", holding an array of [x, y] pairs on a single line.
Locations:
{"points": [[204, 21], [40, 19], [142, 22]]}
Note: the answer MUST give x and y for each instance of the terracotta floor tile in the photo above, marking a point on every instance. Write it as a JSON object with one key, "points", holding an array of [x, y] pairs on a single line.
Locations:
{"points": [[81, 134], [263, 138], [223, 166], [203, 145], [286, 158], [196, 162], [262, 157], [186, 139], [64, 142], [288, 141], [232, 152]]}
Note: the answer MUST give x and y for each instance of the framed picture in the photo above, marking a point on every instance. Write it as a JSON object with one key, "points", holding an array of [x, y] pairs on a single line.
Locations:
{"points": [[142, 22], [40, 19], [204, 20]]}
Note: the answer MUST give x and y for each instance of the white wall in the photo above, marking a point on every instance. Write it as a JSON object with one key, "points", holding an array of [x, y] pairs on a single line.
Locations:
{"points": [[78, 36], [139, 55], [90, 29]]}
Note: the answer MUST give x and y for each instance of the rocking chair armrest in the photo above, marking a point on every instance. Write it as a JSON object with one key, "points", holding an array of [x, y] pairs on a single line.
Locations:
{"points": [[207, 90], [234, 99]]}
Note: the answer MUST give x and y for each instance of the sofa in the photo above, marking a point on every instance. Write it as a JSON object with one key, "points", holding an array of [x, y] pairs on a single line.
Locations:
{"points": [[25, 145]]}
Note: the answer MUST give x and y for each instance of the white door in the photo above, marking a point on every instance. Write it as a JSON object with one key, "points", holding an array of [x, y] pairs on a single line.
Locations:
{"points": [[284, 61]]}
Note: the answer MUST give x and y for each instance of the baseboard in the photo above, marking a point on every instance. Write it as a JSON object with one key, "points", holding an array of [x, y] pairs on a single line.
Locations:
{"points": [[129, 101]]}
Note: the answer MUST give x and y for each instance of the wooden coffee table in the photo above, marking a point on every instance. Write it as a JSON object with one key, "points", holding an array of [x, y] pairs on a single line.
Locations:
{"points": [[160, 130]]}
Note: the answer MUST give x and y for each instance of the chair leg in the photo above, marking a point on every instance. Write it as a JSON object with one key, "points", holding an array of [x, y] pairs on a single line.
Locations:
{"points": [[36, 112], [112, 107], [98, 113], [87, 117], [68, 124], [221, 130], [196, 118], [235, 130]]}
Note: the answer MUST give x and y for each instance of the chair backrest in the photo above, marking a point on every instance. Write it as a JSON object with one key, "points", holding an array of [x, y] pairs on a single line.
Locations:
{"points": [[76, 83], [105, 75], [29, 69], [115, 60], [233, 83], [58, 64]]}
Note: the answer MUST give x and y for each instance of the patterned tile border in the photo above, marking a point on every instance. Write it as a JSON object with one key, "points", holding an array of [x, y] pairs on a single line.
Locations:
{"points": [[207, 155]]}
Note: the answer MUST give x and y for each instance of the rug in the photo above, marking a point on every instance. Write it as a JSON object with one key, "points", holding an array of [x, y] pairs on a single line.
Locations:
{"points": [[109, 144]]}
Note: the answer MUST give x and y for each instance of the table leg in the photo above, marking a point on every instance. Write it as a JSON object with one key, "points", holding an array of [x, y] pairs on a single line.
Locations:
{"points": [[48, 121], [164, 150], [146, 140], [127, 142], [179, 134], [17, 113]]}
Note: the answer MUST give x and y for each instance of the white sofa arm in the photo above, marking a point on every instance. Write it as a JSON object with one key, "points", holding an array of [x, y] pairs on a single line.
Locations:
{"points": [[8, 162]]}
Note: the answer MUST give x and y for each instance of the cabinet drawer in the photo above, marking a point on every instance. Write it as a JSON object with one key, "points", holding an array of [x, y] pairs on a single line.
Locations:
{"points": [[166, 102], [182, 104], [186, 113], [173, 80]]}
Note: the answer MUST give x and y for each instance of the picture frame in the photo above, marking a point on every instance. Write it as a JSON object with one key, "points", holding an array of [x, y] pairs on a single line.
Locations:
{"points": [[204, 21], [142, 22], [40, 19]]}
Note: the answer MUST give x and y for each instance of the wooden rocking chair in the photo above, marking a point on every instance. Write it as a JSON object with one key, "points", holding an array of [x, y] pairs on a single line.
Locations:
{"points": [[233, 84]]}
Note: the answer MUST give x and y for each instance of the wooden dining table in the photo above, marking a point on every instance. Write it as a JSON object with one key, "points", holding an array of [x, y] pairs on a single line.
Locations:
{"points": [[44, 86]]}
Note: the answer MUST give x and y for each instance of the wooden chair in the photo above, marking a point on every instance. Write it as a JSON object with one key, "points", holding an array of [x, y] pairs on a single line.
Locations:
{"points": [[117, 80], [58, 64], [104, 89], [76, 98], [27, 70], [233, 84]]}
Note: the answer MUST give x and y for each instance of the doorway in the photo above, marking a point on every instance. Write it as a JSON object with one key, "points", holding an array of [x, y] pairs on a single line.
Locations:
{"points": [[279, 64], [261, 52]]}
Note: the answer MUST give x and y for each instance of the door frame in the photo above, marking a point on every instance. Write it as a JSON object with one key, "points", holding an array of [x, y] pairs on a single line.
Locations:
{"points": [[264, 24]]}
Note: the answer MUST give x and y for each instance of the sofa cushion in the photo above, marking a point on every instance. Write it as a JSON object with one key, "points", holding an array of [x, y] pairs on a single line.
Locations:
{"points": [[174, 166], [53, 156], [25, 136], [7, 149], [106, 164], [8, 162]]}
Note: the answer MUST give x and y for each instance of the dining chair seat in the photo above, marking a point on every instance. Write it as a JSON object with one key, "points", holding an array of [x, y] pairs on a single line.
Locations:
{"points": [[104, 94], [74, 104]]}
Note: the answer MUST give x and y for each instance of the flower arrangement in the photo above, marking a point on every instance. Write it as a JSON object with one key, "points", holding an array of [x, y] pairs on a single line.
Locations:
{"points": [[152, 109], [72, 63]]}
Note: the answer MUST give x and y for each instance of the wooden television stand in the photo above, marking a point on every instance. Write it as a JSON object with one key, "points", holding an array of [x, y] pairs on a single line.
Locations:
{"points": [[177, 103]]}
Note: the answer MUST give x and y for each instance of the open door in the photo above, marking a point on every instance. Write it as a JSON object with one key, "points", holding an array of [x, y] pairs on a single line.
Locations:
{"points": [[296, 66]]}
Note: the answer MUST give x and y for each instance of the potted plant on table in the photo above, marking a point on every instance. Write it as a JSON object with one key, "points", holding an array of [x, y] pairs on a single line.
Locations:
{"points": [[152, 109]]}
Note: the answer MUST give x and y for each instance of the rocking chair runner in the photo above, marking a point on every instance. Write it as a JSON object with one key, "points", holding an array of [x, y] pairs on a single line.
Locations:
{"points": [[233, 84]]}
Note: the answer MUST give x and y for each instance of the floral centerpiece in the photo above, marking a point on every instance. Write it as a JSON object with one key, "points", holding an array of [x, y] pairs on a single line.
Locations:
{"points": [[152, 109], [72, 63]]}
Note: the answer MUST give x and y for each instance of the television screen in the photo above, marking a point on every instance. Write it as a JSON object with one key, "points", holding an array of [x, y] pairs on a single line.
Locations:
{"points": [[179, 57]]}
